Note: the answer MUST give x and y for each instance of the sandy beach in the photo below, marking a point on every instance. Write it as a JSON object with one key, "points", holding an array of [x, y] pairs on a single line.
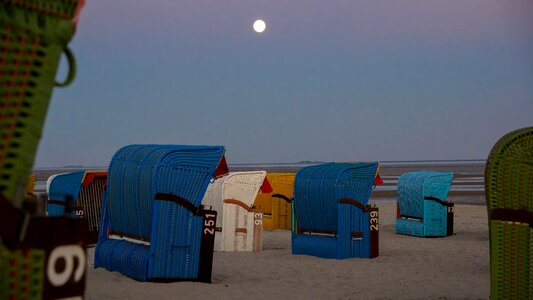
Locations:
{"points": [[455, 267]]}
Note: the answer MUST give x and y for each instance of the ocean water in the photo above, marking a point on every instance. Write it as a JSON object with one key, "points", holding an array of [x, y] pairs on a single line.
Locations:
{"points": [[467, 186]]}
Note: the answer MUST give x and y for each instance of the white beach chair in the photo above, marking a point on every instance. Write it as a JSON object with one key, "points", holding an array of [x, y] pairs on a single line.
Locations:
{"points": [[239, 226]]}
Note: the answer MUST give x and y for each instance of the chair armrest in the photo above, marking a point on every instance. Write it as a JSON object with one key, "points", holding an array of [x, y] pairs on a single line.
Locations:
{"points": [[354, 203], [282, 197], [511, 215], [439, 201], [180, 201], [241, 204]]}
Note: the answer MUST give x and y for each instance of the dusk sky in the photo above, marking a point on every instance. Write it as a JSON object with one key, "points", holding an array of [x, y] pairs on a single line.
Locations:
{"points": [[328, 80]]}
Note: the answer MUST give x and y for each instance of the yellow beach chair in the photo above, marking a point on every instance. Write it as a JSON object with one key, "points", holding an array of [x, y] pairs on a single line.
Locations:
{"points": [[276, 205]]}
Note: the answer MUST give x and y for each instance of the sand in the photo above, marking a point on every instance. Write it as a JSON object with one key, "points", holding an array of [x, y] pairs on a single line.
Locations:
{"points": [[455, 267]]}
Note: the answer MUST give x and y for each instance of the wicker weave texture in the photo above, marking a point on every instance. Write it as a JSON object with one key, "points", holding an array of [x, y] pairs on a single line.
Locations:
{"points": [[243, 187], [33, 34], [61, 186], [509, 185], [87, 195], [317, 190], [21, 273], [277, 212], [413, 188], [136, 173]]}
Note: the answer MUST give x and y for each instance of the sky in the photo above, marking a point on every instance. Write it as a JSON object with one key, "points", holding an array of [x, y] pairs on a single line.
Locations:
{"points": [[336, 80]]}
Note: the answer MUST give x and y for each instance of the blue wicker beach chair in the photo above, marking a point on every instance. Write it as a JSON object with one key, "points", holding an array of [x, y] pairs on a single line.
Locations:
{"points": [[423, 210], [331, 218], [59, 187], [85, 190], [153, 196]]}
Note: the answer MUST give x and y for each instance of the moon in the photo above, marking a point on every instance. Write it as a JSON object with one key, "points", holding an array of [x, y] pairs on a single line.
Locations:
{"points": [[259, 26]]}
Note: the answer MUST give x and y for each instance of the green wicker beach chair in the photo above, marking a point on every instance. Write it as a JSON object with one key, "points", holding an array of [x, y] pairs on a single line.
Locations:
{"points": [[33, 35], [509, 192]]}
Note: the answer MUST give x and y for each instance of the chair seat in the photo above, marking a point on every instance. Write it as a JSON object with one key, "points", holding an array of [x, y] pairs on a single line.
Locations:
{"points": [[315, 245], [128, 258]]}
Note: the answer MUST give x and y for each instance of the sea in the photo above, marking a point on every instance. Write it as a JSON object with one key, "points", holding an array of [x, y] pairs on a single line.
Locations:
{"points": [[467, 187]]}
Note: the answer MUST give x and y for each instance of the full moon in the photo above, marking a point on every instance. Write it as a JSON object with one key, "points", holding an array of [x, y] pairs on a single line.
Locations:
{"points": [[259, 26]]}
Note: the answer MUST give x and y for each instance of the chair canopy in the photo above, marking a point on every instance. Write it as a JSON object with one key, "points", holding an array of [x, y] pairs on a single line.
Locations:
{"points": [[282, 186], [414, 187], [138, 172], [317, 190], [241, 186], [34, 35]]}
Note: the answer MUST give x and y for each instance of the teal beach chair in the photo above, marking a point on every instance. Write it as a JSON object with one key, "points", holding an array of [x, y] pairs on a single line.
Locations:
{"points": [[423, 210]]}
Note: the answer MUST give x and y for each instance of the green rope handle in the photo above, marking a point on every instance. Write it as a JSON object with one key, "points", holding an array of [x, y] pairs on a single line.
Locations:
{"points": [[71, 68]]}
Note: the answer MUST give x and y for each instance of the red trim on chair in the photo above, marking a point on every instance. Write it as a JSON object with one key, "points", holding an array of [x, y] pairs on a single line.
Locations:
{"points": [[90, 176], [378, 180], [266, 187], [222, 168]]}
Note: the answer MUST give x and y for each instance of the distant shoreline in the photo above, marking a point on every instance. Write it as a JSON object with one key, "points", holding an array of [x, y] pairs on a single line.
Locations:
{"points": [[467, 188], [299, 163]]}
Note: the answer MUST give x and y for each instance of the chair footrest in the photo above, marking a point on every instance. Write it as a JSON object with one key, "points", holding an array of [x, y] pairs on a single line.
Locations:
{"points": [[420, 228], [128, 258]]}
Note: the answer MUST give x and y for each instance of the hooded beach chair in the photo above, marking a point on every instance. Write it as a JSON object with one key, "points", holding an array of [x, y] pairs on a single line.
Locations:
{"points": [[331, 215], [153, 227], [33, 34], [276, 206], [239, 226], [421, 199], [509, 193], [85, 190]]}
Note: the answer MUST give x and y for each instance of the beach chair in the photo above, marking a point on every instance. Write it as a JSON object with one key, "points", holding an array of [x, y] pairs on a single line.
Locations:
{"points": [[153, 227], [422, 206], [33, 34], [331, 215], [276, 206], [509, 195], [239, 226], [30, 185], [85, 190]]}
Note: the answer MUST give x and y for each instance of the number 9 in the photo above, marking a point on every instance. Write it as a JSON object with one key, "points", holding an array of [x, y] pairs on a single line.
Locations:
{"points": [[68, 253]]}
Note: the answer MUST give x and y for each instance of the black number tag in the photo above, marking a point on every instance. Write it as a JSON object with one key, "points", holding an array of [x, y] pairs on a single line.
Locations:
{"points": [[207, 246], [63, 239]]}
